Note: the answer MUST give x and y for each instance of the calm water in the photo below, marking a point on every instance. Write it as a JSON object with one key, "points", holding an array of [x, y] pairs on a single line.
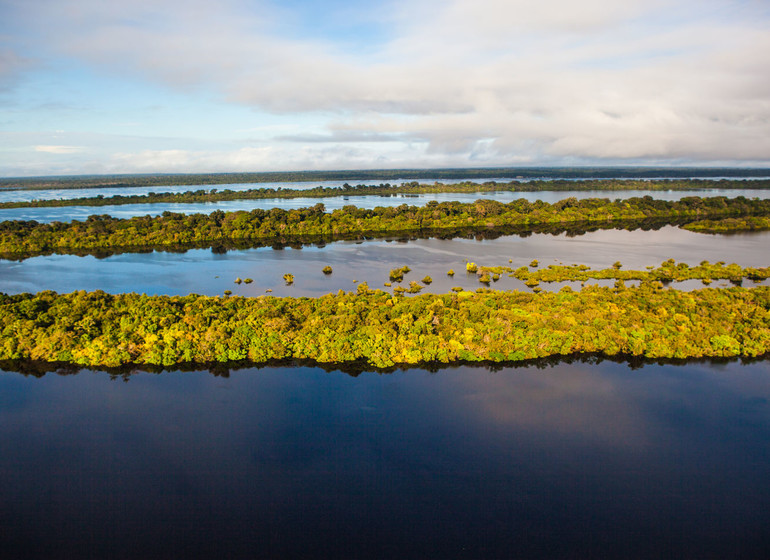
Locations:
{"points": [[69, 213], [54, 194], [571, 461], [9, 195], [205, 272]]}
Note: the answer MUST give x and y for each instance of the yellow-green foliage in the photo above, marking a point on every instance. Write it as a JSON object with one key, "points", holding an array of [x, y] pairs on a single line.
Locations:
{"points": [[414, 288], [750, 223], [100, 233], [397, 274], [471, 267], [668, 271], [99, 329]]}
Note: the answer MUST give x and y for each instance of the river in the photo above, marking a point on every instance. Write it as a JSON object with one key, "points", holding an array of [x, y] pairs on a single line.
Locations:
{"points": [[558, 461], [204, 271], [553, 459]]}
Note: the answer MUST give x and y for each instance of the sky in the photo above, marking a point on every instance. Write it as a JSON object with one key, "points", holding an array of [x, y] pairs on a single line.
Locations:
{"points": [[176, 86]]}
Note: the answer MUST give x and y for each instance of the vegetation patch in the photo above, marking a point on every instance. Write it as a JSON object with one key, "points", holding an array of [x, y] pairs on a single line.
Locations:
{"points": [[100, 329], [446, 219]]}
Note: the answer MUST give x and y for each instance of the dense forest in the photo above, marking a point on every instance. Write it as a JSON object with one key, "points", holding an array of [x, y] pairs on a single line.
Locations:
{"points": [[99, 329], [153, 180], [386, 190], [24, 238]]}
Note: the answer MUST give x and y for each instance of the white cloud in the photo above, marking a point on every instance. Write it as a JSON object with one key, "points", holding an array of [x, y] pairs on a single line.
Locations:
{"points": [[495, 81], [58, 149]]}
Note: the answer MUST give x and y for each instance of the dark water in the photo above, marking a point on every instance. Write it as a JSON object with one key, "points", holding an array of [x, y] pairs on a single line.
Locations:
{"points": [[69, 213], [579, 460], [205, 272]]}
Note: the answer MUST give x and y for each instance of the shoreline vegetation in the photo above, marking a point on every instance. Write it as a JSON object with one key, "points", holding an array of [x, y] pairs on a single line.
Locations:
{"points": [[669, 271], [172, 179], [382, 330], [99, 234], [387, 190], [39, 368]]}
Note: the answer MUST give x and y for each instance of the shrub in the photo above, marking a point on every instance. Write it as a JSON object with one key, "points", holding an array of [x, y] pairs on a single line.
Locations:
{"points": [[397, 274], [414, 288]]}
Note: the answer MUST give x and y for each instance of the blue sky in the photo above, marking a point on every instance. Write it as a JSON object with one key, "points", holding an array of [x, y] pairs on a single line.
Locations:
{"points": [[96, 86]]}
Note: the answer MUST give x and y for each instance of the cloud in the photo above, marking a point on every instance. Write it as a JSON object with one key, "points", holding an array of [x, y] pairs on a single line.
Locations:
{"points": [[58, 149], [349, 136], [495, 81]]}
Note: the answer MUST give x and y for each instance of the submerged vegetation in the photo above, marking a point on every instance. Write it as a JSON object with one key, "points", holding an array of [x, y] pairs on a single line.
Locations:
{"points": [[446, 219], [99, 329], [727, 225], [668, 271], [397, 274]]}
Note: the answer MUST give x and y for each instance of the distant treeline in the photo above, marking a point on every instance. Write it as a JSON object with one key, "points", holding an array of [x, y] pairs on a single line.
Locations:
{"points": [[18, 238], [386, 190], [103, 330], [153, 180]]}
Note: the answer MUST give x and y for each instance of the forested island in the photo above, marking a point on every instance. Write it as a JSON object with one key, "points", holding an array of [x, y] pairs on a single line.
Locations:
{"points": [[169, 179], [19, 239], [386, 190], [102, 330]]}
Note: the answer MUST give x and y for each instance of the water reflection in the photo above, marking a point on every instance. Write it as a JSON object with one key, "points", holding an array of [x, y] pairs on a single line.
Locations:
{"points": [[209, 272], [9, 195], [581, 459]]}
